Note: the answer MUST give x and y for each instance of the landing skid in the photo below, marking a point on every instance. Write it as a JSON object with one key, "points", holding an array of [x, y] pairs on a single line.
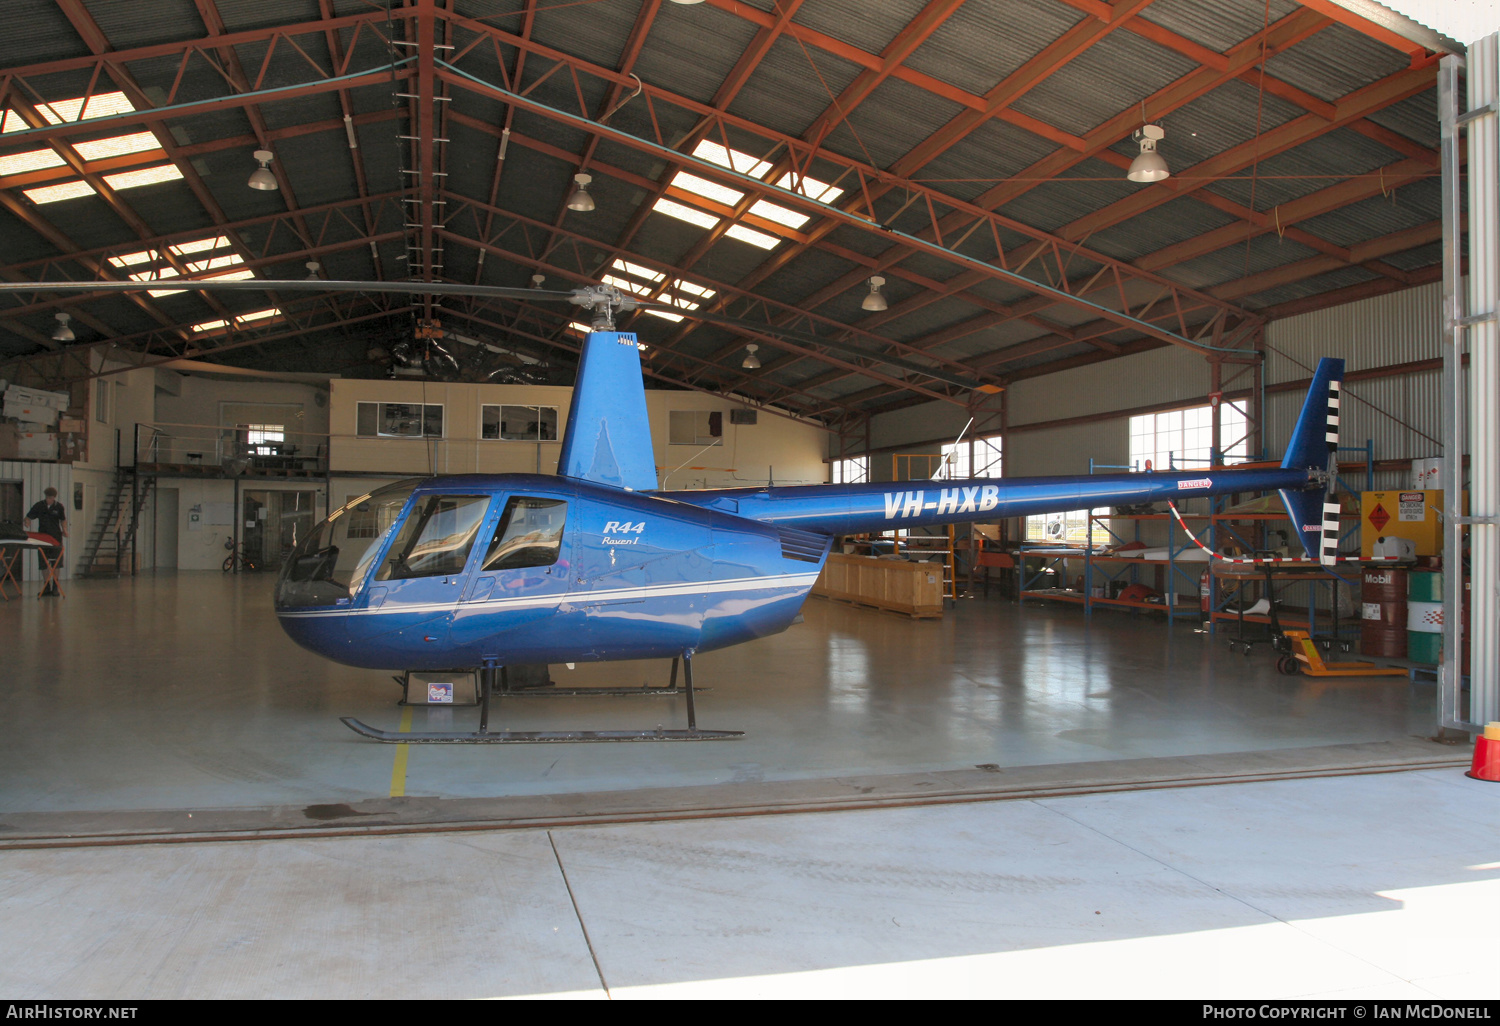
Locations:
{"points": [[496, 737], [485, 736]]}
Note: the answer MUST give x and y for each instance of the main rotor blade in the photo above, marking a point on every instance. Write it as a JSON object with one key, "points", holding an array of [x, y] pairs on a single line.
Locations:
{"points": [[436, 288]]}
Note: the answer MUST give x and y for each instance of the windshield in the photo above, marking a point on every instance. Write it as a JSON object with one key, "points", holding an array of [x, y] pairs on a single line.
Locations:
{"points": [[331, 563]]}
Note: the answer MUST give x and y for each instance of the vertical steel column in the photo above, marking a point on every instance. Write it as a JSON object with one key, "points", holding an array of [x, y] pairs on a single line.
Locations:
{"points": [[1450, 711], [1484, 377]]}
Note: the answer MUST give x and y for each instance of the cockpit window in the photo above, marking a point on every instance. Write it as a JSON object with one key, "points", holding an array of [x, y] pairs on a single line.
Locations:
{"points": [[529, 534], [436, 537], [332, 561]]}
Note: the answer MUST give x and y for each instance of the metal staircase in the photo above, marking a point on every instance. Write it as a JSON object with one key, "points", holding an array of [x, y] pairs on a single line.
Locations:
{"points": [[113, 534]]}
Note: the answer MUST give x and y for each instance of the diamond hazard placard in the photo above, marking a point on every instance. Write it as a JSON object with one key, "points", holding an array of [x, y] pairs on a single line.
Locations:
{"points": [[1379, 517]]}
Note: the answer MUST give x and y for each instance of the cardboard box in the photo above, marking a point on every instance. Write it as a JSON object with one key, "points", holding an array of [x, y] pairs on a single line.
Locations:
{"points": [[31, 413], [72, 426], [34, 446], [37, 397]]}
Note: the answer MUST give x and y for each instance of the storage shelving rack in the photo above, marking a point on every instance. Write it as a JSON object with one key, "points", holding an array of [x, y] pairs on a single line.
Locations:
{"points": [[1223, 531]]}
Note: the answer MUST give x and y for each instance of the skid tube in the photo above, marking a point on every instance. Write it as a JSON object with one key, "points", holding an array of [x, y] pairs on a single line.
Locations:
{"points": [[485, 736]]}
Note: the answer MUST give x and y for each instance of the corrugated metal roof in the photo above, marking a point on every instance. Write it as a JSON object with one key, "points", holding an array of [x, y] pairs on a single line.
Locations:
{"points": [[1117, 72], [691, 52], [1343, 61], [894, 119], [981, 43], [1177, 221], [865, 25], [1219, 25], [786, 94]]}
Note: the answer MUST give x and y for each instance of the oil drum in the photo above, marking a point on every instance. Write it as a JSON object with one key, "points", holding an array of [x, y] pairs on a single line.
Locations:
{"points": [[1382, 628]]}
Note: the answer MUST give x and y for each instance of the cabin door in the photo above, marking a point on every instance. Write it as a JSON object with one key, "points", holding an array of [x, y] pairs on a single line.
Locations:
{"points": [[522, 575]]}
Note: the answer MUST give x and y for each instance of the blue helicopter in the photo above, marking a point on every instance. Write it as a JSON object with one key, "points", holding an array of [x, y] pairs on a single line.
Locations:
{"points": [[491, 572], [595, 564]]}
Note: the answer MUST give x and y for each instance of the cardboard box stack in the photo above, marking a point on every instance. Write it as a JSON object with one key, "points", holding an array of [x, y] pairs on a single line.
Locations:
{"points": [[30, 419]]}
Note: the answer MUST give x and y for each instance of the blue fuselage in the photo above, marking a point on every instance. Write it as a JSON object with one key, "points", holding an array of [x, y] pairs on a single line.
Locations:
{"points": [[629, 575]]}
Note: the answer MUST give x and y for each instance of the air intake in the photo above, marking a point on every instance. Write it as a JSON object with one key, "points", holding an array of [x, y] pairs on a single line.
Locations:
{"points": [[743, 416], [803, 545]]}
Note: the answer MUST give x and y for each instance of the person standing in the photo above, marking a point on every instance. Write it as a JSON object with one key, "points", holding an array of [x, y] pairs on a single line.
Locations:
{"points": [[51, 518]]}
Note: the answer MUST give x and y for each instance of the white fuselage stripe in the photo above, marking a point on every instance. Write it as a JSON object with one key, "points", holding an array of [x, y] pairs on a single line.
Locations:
{"points": [[577, 597]]}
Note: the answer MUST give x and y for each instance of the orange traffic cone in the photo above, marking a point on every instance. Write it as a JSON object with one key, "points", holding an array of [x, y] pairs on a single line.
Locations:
{"points": [[1487, 754]]}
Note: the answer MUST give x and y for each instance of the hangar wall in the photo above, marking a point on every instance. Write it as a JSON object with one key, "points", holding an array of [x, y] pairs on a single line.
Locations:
{"points": [[791, 451], [1399, 412]]}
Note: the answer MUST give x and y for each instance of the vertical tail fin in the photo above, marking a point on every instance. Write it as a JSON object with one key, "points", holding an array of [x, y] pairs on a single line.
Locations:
{"points": [[608, 437], [1314, 446]]}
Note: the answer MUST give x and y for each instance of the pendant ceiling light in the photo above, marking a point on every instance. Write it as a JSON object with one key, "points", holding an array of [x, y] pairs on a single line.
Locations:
{"points": [[580, 199], [312, 270], [875, 302], [262, 178], [1149, 165], [62, 333], [752, 362]]}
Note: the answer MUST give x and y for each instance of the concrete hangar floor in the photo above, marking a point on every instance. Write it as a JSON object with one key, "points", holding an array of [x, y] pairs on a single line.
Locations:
{"points": [[996, 804]]}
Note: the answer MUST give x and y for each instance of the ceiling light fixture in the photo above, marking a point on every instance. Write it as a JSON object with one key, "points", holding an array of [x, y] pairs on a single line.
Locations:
{"points": [[262, 178], [687, 2], [579, 199], [752, 362], [537, 279], [312, 270], [875, 302], [1149, 165], [62, 333]]}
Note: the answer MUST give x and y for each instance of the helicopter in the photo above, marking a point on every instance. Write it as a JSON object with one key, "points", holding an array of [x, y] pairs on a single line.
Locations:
{"points": [[596, 564]]}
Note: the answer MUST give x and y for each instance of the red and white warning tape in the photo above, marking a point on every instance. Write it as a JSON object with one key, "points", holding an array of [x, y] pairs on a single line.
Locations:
{"points": [[1274, 559]]}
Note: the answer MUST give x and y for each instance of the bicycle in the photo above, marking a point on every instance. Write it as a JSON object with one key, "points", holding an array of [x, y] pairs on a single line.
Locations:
{"points": [[240, 560]]}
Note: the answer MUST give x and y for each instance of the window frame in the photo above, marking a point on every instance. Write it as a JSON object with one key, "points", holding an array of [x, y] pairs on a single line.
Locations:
{"points": [[698, 439], [379, 405], [556, 422]]}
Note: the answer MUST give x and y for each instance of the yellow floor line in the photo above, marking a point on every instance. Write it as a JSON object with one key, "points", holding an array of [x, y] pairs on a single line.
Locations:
{"points": [[398, 769]]}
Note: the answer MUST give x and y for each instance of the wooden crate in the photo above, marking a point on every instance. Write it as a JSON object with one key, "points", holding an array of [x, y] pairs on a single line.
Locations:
{"points": [[915, 589]]}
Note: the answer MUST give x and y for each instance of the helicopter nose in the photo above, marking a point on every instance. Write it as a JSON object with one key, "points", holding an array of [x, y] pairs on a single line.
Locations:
{"points": [[327, 634]]}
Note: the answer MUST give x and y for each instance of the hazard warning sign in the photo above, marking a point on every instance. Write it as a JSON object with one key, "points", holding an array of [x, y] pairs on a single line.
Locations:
{"points": [[1379, 517]]}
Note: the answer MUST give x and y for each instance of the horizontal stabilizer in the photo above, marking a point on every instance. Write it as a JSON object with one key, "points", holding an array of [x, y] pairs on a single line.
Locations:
{"points": [[608, 437]]}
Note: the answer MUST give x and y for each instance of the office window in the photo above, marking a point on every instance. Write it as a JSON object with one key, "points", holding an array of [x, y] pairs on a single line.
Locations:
{"points": [[955, 463], [398, 420], [695, 427], [518, 423], [1181, 439], [265, 439], [854, 470]]}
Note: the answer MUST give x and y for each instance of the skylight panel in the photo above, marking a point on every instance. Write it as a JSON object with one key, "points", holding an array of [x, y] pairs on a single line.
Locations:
{"points": [[259, 315], [213, 263], [637, 270], [145, 176], [57, 193], [116, 146], [664, 315], [131, 259], [752, 236], [100, 105], [697, 290], [679, 301], [809, 187], [204, 327], [31, 160], [232, 275], [732, 159], [627, 285], [780, 214], [708, 190], [684, 213], [183, 249]]}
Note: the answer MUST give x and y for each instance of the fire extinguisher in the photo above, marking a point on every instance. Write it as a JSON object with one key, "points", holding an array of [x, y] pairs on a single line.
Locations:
{"points": [[1205, 591]]}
